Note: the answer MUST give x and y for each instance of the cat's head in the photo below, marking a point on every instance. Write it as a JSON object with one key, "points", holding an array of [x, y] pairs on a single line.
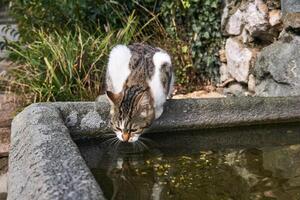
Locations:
{"points": [[130, 118]]}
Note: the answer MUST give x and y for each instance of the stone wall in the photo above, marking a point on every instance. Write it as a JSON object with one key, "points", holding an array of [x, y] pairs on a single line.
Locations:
{"points": [[261, 55]]}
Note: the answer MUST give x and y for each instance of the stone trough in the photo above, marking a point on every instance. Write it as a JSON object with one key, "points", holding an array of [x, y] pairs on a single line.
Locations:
{"points": [[45, 163]]}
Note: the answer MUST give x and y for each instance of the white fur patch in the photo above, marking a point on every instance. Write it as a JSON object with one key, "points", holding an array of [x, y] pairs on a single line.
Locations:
{"points": [[119, 135], [134, 138], [118, 66], [155, 84]]}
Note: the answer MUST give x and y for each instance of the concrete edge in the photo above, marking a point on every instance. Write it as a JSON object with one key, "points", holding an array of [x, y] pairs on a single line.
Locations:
{"points": [[44, 162], [90, 119]]}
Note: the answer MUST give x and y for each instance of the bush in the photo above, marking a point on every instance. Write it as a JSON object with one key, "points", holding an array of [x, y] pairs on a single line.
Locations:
{"points": [[188, 29], [198, 23], [90, 15], [59, 67]]}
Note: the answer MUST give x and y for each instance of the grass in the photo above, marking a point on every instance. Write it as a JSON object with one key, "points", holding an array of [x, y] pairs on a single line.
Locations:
{"points": [[58, 67]]}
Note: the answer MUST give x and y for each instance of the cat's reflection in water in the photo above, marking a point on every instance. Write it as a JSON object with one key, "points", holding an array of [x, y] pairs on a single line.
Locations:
{"points": [[130, 183]]}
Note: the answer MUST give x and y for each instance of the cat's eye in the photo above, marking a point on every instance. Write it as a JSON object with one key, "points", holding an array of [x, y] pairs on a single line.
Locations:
{"points": [[133, 130]]}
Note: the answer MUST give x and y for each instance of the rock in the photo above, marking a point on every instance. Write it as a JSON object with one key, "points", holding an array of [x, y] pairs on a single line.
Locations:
{"points": [[291, 13], [235, 89], [262, 7], [238, 60], [277, 68], [222, 56], [290, 6], [274, 17], [4, 141], [44, 161], [291, 20], [230, 7], [287, 37], [246, 38], [234, 24], [255, 19], [251, 83], [273, 4], [224, 73]]}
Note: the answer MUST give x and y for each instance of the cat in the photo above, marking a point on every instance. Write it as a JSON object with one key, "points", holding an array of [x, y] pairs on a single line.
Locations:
{"points": [[139, 79]]}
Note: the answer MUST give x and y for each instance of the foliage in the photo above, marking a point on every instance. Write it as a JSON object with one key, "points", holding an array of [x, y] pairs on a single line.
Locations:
{"points": [[68, 14], [59, 67], [197, 22], [55, 15], [50, 30]]}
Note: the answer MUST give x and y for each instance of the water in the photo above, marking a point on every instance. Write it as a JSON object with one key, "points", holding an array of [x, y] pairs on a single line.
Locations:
{"points": [[259, 163]]}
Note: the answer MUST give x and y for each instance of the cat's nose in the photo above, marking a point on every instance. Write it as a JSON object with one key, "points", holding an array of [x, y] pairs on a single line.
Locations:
{"points": [[125, 136]]}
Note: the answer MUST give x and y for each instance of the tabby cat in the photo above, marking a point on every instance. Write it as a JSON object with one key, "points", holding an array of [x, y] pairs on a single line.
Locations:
{"points": [[139, 79]]}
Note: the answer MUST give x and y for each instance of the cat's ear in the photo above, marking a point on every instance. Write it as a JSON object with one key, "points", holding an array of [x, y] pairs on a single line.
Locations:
{"points": [[112, 97]]}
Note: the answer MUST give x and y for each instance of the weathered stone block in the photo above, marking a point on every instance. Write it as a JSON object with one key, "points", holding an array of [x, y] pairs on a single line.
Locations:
{"points": [[235, 89], [291, 20], [238, 60], [45, 163], [235, 23], [277, 68], [255, 19], [291, 13], [274, 17], [290, 6]]}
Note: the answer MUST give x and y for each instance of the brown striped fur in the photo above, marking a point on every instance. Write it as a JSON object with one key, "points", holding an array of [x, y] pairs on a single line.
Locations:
{"points": [[133, 108]]}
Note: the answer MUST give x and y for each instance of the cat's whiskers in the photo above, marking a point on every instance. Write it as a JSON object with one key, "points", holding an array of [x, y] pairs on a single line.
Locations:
{"points": [[147, 140], [139, 146], [108, 135], [143, 145], [115, 144], [110, 141], [136, 146]]}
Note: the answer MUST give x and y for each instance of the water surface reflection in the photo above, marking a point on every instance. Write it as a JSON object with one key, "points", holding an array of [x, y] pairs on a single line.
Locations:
{"points": [[266, 169]]}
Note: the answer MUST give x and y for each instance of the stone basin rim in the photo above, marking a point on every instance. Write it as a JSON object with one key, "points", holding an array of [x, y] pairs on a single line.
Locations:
{"points": [[43, 154], [188, 114]]}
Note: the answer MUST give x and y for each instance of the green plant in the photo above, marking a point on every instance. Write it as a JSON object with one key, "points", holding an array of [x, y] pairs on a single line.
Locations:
{"points": [[188, 29], [59, 67], [68, 14], [197, 22]]}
